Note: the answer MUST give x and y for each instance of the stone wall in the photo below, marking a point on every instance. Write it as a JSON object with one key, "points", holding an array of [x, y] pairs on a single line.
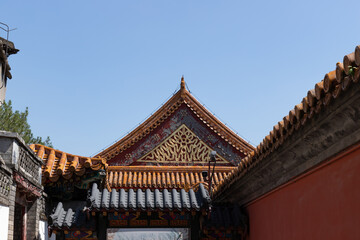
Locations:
{"points": [[20, 187], [11, 210]]}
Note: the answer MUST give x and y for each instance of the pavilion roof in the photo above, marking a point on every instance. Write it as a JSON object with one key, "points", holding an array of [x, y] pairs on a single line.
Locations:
{"points": [[335, 83], [61, 164], [182, 97]]}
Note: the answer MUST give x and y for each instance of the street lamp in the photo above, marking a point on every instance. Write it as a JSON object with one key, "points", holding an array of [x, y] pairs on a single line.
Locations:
{"points": [[210, 177]]}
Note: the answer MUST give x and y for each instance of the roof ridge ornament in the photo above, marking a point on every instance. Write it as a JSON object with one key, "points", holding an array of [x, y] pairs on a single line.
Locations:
{"points": [[182, 86]]}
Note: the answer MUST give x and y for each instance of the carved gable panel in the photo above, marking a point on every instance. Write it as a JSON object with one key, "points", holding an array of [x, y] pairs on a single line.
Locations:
{"points": [[182, 146], [159, 135]]}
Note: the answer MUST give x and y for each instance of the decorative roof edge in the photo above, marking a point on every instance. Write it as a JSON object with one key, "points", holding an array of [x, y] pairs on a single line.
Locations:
{"points": [[183, 96], [325, 91], [167, 168], [77, 164], [178, 177]]}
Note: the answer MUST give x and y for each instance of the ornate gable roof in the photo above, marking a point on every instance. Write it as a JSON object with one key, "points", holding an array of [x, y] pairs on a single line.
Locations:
{"points": [[185, 101]]}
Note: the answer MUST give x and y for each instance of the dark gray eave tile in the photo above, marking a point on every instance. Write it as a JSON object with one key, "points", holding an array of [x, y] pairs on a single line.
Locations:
{"points": [[71, 215], [139, 199]]}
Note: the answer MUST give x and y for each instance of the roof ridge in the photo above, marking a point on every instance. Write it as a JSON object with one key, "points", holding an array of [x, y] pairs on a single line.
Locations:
{"points": [[334, 83], [34, 145], [182, 96]]}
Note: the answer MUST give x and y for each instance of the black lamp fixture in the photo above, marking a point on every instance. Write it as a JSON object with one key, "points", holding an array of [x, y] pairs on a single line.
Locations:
{"points": [[210, 177]]}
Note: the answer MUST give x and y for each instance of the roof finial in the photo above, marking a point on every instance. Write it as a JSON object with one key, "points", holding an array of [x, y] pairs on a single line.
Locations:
{"points": [[182, 84]]}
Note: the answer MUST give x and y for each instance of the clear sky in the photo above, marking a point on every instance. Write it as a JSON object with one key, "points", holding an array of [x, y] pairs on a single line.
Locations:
{"points": [[91, 71]]}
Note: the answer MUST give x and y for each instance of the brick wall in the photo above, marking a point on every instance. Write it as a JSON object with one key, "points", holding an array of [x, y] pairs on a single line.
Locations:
{"points": [[12, 196], [33, 221]]}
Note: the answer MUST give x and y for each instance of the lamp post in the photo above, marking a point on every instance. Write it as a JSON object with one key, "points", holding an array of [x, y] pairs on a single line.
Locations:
{"points": [[210, 177]]}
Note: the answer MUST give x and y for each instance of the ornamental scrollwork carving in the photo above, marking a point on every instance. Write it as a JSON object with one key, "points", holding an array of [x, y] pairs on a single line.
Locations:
{"points": [[182, 146]]}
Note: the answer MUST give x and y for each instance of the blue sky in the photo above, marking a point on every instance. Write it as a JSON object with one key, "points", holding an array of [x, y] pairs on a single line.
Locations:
{"points": [[91, 71]]}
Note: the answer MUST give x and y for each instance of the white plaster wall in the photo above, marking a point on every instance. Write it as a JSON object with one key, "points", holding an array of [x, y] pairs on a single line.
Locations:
{"points": [[43, 231], [4, 222]]}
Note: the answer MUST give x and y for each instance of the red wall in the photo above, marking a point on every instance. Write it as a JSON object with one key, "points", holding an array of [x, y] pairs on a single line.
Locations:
{"points": [[323, 204]]}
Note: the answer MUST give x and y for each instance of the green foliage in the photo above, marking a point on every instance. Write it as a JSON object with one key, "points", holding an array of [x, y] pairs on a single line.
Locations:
{"points": [[352, 70], [17, 122]]}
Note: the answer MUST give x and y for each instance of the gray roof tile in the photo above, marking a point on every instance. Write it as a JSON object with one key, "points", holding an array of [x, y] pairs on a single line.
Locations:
{"points": [[105, 201], [194, 200], [176, 199], [114, 199], [58, 216], [185, 199], [69, 217], [95, 197], [123, 199], [149, 199], [159, 200], [167, 199], [72, 215], [141, 199], [132, 199]]}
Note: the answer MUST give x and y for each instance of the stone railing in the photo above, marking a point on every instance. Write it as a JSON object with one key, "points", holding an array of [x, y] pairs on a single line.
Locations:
{"points": [[29, 165], [4, 184]]}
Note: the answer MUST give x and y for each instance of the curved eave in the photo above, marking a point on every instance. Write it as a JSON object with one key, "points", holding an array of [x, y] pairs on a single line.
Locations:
{"points": [[60, 164]]}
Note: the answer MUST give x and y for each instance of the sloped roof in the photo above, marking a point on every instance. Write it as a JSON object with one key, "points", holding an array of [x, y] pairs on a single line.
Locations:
{"points": [[334, 84], [58, 163], [149, 199], [162, 176], [183, 96]]}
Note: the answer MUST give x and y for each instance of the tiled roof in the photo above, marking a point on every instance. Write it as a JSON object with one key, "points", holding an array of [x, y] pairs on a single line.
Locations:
{"points": [[181, 97], [162, 176], [71, 217], [156, 199], [334, 84], [58, 163]]}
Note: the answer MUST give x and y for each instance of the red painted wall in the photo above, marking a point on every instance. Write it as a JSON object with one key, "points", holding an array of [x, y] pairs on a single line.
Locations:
{"points": [[322, 204]]}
